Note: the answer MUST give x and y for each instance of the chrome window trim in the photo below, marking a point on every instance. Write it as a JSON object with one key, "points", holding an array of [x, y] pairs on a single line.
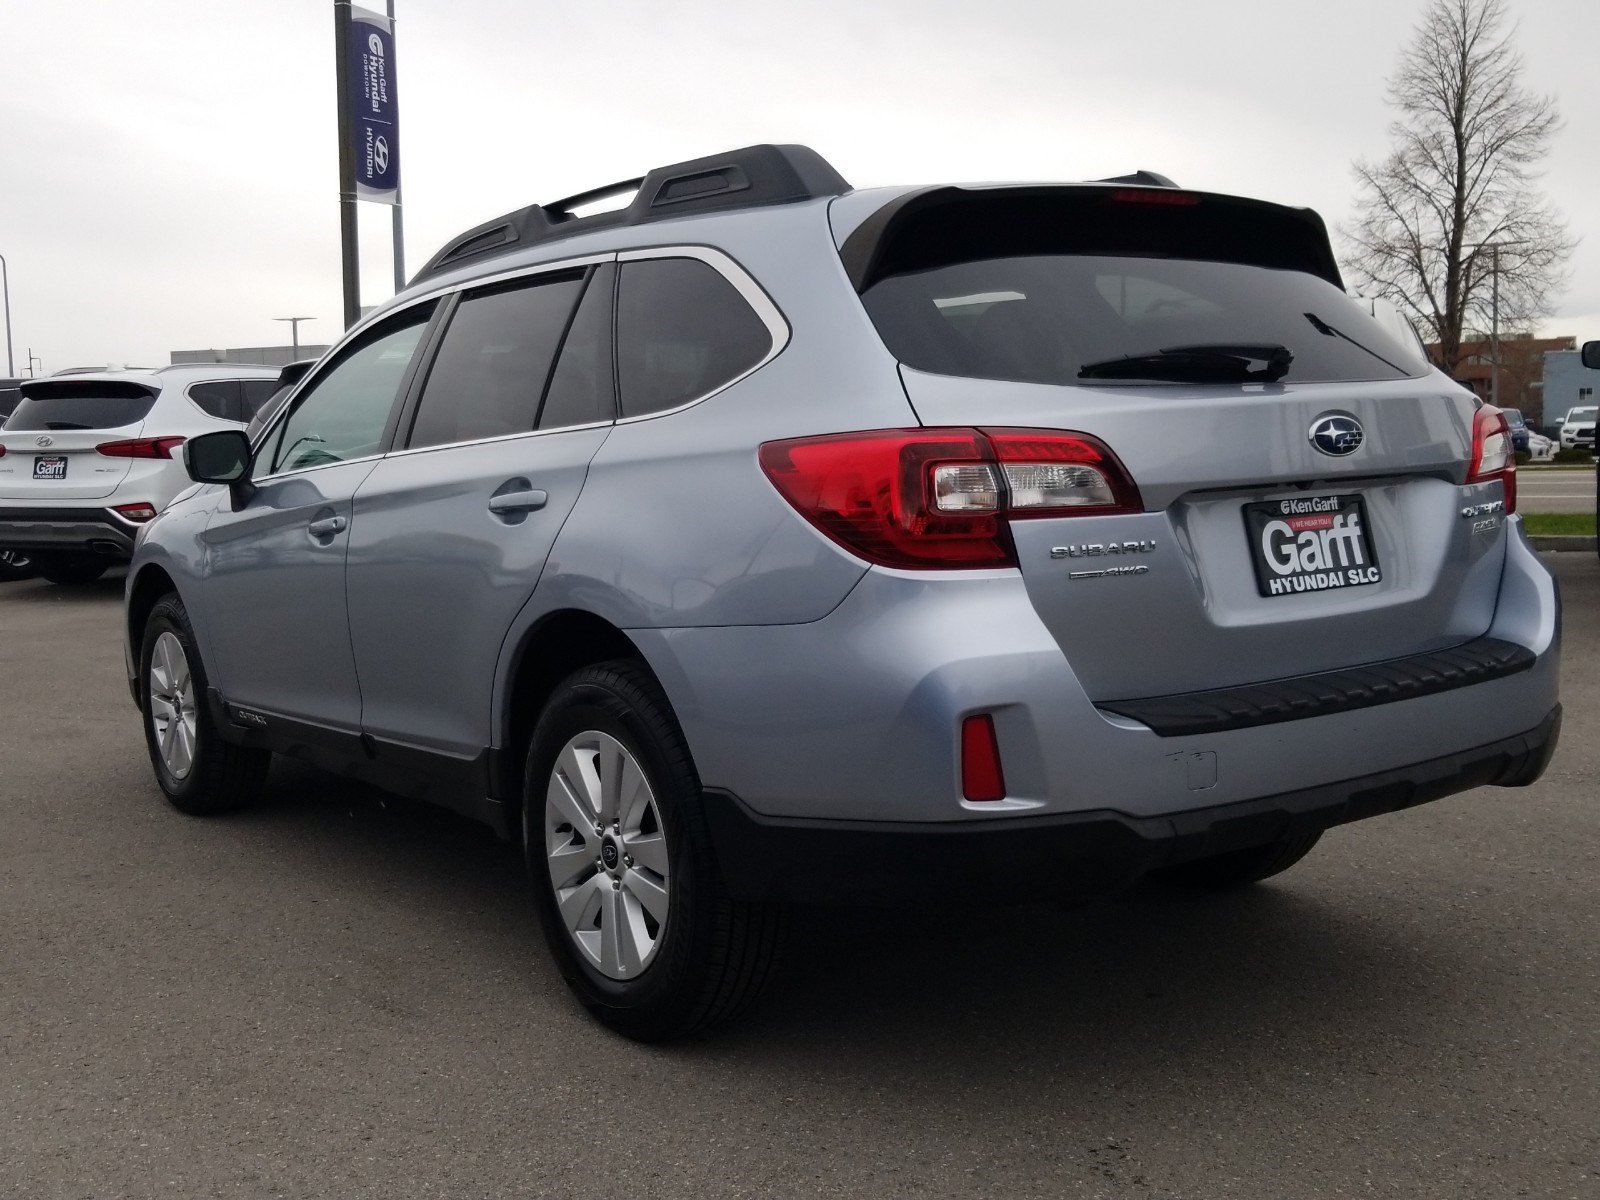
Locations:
{"points": [[502, 437]]}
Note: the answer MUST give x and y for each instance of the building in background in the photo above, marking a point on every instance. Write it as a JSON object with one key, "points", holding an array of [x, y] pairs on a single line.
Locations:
{"points": [[272, 356], [1522, 371], [1567, 384]]}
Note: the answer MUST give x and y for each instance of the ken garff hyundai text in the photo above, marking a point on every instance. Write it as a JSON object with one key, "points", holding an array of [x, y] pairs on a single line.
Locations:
{"points": [[766, 540]]}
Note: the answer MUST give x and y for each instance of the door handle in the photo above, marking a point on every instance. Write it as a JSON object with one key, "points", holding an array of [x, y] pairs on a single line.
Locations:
{"points": [[327, 527], [515, 502]]}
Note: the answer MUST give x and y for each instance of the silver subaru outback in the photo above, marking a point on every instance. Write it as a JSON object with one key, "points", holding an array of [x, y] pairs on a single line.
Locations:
{"points": [[765, 540]]}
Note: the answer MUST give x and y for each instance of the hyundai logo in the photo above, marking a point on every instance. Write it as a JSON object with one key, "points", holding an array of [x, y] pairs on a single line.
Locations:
{"points": [[44, 440], [1337, 435], [380, 154]]}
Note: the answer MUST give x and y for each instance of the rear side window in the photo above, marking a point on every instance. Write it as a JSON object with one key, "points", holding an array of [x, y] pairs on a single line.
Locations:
{"points": [[1062, 290], [81, 404], [220, 399], [10, 393], [682, 331], [494, 362]]}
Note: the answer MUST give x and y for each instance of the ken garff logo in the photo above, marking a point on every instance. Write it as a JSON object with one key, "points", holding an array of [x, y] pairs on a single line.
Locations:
{"points": [[375, 44], [380, 154], [45, 440], [1337, 434]]}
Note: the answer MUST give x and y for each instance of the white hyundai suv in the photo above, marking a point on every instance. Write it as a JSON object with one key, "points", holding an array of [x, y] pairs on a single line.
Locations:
{"points": [[86, 459]]}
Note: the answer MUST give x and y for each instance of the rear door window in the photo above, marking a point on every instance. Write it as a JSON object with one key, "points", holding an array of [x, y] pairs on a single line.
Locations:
{"points": [[255, 393], [683, 331], [65, 404], [582, 388], [494, 362]]}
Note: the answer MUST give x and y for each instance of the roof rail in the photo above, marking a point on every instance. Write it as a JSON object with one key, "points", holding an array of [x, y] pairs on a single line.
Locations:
{"points": [[1141, 178], [746, 178]]}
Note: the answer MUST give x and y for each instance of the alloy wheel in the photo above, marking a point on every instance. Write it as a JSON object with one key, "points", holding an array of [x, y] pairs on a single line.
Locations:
{"points": [[606, 852], [172, 705]]}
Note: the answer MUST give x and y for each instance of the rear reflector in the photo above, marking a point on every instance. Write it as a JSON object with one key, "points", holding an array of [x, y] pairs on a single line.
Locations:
{"points": [[941, 498], [137, 513], [159, 447], [981, 778], [1493, 456]]}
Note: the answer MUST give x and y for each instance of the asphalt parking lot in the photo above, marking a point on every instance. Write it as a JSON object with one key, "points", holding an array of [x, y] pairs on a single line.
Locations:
{"points": [[338, 994]]}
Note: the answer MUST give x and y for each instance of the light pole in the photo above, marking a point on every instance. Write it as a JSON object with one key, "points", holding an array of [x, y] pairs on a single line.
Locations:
{"points": [[294, 330], [5, 285]]}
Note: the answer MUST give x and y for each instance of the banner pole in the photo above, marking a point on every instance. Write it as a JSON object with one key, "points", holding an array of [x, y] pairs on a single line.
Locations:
{"points": [[398, 220], [349, 243]]}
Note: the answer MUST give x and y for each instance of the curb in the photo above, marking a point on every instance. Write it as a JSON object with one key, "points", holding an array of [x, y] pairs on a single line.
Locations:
{"points": [[1553, 541]]}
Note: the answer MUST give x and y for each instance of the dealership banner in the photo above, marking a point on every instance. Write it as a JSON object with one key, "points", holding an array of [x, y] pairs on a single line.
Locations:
{"points": [[374, 130]]}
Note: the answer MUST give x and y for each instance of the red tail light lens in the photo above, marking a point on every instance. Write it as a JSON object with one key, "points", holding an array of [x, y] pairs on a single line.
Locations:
{"points": [[160, 447], [1493, 456], [940, 498], [137, 513], [981, 777]]}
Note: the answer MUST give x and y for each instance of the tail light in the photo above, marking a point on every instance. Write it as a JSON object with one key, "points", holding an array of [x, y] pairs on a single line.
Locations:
{"points": [[942, 498], [158, 447], [2, 451], [1493, 456], [137, 513]]}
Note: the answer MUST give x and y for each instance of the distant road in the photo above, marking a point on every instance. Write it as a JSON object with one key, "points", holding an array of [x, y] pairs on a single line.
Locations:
{"points": [[1553, 491]]}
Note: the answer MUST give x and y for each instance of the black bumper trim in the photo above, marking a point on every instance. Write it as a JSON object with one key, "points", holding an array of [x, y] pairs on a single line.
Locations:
{"points": [[1318, 695], [89, 530], [1069, 855]]}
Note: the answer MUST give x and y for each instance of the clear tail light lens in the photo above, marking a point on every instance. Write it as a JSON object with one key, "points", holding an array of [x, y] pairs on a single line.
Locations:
{"points": [[941, 498], [1493, 456], [158, 447]]}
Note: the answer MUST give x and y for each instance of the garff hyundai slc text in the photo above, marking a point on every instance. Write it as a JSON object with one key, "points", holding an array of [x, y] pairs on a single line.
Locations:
{"points": [[767, 540]]}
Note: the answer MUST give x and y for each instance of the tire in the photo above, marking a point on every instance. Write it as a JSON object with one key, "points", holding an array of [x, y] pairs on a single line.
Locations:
{"points": [[15, 565], [70, 568], [210, 775], [685, 955], [1239, 868]]}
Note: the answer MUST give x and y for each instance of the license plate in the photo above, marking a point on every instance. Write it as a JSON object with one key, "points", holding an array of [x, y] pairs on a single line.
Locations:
{"points": [[1310, 544], [52, 466]]}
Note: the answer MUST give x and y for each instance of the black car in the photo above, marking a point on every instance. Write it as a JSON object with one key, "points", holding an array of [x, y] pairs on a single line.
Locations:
{"points": [[1519, 429]]}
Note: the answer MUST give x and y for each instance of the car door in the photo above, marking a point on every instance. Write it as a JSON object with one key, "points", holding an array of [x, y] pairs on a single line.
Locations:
{"points": [[451, 530], [275, 551]]}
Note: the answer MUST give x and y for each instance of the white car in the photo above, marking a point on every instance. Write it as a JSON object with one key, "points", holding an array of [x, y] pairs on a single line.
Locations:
{"points": [[1578, 427], [1540, 448], [86, 459]]}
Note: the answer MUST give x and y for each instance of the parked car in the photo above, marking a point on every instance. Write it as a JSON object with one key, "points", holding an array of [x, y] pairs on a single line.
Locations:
{"points": [[87, 459], [14, 564], [1519, 429], [1578, 427], [1540, 448], [769, 540]]}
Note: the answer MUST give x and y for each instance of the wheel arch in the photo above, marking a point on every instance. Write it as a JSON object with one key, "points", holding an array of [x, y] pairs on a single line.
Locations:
{"points": [[555, 646], [144, 592]]}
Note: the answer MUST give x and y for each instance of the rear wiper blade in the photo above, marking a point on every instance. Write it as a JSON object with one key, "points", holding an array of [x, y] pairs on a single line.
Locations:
{"points": [[1211, 363]]}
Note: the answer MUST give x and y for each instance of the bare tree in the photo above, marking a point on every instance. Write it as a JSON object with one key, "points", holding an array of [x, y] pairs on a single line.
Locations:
{"points": [[1457, 192]]}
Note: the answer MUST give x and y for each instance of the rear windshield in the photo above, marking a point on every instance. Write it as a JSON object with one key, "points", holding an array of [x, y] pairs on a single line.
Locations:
{"points": [[90, 404], [1061, 288], [1057, 318]]}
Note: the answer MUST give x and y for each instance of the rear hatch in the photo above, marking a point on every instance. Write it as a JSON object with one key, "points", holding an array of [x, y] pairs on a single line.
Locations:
{"points": [[1299, 469], [51, 438]]}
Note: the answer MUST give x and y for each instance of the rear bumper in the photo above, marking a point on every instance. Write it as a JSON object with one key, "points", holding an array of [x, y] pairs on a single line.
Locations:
{"points": [[79, 530], [1076, 854]]}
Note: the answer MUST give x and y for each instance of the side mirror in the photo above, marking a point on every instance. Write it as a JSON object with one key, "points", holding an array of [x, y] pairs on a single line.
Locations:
{"points": [[221, 457], [1591, 355]]}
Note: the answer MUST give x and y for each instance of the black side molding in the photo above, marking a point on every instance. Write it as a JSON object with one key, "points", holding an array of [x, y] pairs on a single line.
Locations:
{"points": [[1318, 695]]}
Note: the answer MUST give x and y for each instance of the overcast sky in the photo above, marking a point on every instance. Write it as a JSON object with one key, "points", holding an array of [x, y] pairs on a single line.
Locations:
{"points": [[168, 169]]}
